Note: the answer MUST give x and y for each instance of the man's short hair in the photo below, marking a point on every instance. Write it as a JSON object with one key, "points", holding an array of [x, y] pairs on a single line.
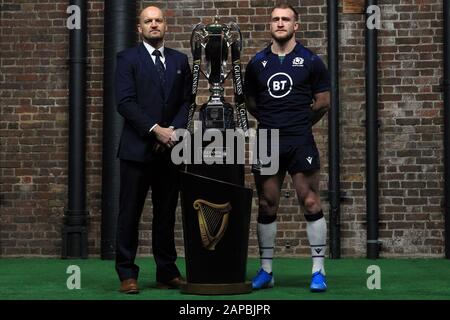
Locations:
{"points": [[285, 6]]}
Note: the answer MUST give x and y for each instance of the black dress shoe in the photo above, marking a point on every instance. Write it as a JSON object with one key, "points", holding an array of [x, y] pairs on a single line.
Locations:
{"points": [[175, 283]]}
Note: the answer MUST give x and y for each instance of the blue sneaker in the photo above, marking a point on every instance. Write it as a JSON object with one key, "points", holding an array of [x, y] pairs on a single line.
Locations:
{"points": [[262, 280], [318, 282]]}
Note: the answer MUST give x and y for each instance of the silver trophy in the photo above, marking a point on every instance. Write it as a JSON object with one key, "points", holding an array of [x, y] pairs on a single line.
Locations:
{"points": [[217, 40]]}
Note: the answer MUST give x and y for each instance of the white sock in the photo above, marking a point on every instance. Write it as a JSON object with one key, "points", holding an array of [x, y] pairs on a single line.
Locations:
{"points": [[266, 241], [317, 236]]}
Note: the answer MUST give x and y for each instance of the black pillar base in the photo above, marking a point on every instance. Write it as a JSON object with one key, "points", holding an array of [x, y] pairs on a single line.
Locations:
{"points": [[373, 249], [219, 289], [218, 269], [75, 235]]}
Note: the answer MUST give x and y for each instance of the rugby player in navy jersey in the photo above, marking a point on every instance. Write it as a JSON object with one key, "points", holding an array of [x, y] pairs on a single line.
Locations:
{"points": [[287, 88]]}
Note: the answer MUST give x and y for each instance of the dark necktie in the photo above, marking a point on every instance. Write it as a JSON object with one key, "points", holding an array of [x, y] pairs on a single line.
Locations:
{"points": [[160, 68]]}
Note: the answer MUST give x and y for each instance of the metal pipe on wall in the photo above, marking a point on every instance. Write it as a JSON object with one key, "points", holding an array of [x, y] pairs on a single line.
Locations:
{"points": [[120, 33], [446, 10], [333, 132], [372, 201], [75, 242]]}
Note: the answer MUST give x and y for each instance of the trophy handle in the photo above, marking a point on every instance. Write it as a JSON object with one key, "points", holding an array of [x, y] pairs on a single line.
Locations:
{"points": [[196, 48], [238, 84], [234, 27], [197, 35]]}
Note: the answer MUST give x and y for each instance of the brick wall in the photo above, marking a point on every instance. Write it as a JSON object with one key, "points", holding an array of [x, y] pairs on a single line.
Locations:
{"points": [[34, 122]]}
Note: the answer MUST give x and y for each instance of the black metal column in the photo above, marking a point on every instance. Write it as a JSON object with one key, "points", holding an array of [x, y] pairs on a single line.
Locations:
{"points": [[333, 132], [120, 33], [447, 125], [371, 138], [75, 242]]}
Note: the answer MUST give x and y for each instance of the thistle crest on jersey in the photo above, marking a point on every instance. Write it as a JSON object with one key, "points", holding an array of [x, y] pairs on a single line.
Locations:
{"points": [[298, 62]]}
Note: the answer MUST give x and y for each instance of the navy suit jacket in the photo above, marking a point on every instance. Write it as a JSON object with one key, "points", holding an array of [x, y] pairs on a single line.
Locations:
{"points": [[141, 102]]}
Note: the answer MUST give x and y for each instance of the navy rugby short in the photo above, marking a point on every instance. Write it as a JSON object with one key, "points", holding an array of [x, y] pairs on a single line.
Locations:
{"points": [[296, 154]]}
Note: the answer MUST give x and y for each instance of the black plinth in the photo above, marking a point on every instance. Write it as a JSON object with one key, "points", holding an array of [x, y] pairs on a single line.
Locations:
{"points": [[231, 173], [223, 171], [221, 269]]}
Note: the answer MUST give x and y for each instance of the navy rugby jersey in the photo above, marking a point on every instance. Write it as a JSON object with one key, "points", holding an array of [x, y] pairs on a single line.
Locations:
{"points": [[284, 91]]}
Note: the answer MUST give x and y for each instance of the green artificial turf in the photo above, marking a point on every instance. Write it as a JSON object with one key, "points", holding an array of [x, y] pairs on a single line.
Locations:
{"points": [[401, 279]]}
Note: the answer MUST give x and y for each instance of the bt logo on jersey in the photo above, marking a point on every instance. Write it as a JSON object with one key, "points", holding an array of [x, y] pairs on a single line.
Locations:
{"points": [[279, 85]]}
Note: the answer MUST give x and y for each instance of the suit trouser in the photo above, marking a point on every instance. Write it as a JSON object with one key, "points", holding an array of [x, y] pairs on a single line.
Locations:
{"points": [[162, 176]]}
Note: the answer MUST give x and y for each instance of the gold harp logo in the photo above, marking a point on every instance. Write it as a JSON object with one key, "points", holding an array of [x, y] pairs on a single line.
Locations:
{"points": [[213, 221]]}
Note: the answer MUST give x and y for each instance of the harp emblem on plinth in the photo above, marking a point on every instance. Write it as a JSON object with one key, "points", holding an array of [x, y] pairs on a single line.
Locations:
{"points": [[213, 221]]}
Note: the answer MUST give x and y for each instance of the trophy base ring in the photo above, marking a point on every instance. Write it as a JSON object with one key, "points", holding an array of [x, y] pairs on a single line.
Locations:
{"points": [[217, 288]]}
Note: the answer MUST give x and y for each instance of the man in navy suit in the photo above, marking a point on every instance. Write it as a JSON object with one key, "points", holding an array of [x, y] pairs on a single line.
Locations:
{"points": [[153, 86]]}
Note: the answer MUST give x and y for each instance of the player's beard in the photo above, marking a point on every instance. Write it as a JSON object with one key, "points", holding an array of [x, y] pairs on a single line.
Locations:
{"points": [[154, 38], [283, 39]]}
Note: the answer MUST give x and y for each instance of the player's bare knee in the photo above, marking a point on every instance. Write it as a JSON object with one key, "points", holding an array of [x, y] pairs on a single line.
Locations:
{"points": [[311, 204], [267, 207]]}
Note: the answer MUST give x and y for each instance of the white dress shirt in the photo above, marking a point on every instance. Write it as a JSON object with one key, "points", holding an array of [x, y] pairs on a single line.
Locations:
{"points": [[150, 50]]}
